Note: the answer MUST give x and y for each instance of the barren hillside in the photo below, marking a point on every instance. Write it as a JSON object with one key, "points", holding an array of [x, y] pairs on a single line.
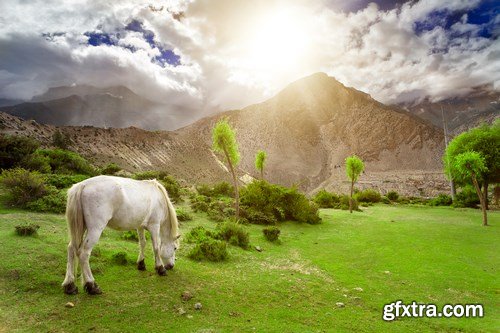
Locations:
{"points": [[307, 130]]}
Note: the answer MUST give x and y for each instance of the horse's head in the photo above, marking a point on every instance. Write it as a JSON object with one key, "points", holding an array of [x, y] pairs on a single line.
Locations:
{"points": [[167, 252]]}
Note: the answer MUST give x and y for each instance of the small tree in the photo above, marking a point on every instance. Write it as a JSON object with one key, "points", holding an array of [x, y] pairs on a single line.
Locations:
{"points": [[354, 167], [224, 141], [260, 161], [61, 140], [469, 165]]}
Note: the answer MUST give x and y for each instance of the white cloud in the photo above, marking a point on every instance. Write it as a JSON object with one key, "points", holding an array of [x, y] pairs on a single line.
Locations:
{"points": [[376, 51]]}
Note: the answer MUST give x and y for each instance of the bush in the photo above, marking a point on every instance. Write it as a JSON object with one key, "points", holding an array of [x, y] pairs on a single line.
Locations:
{"points": [[169, 182], [467, 198], [199, 203], [392, 195], [209, 249], [325, 199], [27, 230], [441, 200], [61, 140], [183, 215], [110, 169], [14, 149], [284, 203], [63, 181], [130, 235], [35, 162], [223, 189], [198, 234], [54, 202], [386, 200], [271, 233], [344, 203], [234, 234], [67, 162], [23, 186], [368, 195], [257, 217], [119, 258]]}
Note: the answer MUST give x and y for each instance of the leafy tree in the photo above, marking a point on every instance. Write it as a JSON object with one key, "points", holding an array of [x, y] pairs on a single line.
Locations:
{"points": [[354, 168], [470, 165], [260, 161], [224, 141], [484, 140]]}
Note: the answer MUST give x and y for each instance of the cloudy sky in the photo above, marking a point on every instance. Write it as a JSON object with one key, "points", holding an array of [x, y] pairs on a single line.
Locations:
{"points": [[223, 54]]}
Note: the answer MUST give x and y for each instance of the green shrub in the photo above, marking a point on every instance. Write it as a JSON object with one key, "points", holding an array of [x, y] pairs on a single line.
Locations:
{"points": [[119, 258], [110, 169], [209, 249], [54, 202], [63, 181], [14, 149], [67, 162], [23, 186], [61, 140], [36, 162], [325, 199], [392, 195], [198, 235], [368, 195], [271, 233], [466, 198], [257, 217], [441, 200], [284, 203], [344, 203], [183, 215], [130, 235], [220, 209], [234, 234], [200, 203], [386, 200], [27, 229], [169, 182], [223, 189]]}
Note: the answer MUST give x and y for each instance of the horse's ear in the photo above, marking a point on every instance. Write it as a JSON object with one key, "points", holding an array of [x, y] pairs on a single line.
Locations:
{"points": [[178, 236]]}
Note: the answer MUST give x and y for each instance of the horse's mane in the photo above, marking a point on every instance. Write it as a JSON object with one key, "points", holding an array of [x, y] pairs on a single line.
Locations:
{"points": [[174, 224]]}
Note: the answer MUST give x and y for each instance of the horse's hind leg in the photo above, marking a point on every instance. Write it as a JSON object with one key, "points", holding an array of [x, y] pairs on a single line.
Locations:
{"points": [[69, 281], [142, 242], [90, 240]]}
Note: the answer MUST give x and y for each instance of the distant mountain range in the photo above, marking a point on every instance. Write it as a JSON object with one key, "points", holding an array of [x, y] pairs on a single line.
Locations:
{"points": [[84, 105], [460, 113], [307, 129]]}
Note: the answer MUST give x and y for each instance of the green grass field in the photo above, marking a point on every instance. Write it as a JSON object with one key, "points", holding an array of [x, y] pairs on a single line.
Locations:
{"points": [[410, 253]]}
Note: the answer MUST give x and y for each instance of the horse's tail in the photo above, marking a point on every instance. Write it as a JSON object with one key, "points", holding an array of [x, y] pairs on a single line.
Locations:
{"points": [[74, 216], [172, 215]]}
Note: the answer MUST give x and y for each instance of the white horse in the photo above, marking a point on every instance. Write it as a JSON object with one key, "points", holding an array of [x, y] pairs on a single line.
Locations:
{"points": [[121, 204]]}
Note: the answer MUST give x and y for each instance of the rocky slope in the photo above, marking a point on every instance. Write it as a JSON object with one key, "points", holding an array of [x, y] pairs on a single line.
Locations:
{"points": [[307, 130]]}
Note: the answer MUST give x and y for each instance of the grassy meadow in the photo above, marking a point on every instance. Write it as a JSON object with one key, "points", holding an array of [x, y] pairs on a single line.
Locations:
{"points": [[392, 252]]}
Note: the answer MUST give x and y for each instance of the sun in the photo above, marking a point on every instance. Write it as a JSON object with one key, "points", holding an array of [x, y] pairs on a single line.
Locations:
{"points": [[276, 41]]}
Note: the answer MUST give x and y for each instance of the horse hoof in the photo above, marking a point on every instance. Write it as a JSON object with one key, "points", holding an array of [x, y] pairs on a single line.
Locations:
{"points": [[161, 271], [141, 265], [70, 289], [92, 288]]}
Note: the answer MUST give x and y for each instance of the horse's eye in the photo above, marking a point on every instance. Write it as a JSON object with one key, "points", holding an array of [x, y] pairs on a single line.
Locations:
{"points": [[175, 248]]}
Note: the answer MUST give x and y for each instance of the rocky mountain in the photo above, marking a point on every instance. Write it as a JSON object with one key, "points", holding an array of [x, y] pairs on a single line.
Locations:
{"points": [[84, 105], [460, 113], [308, 129]]}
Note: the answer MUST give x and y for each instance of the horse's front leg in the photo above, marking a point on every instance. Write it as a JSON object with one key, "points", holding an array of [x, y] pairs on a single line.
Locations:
{"points": [[142, 244], [154, 230], [86, 248]]}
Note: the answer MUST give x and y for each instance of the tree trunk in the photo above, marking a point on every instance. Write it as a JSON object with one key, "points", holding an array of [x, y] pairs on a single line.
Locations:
{"points": [[350, 198], [453, 190], [235, 182], [481, 199], [485, 194], [262, 174]]}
